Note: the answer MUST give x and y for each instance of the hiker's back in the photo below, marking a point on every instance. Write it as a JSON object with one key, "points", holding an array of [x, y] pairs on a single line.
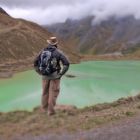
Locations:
{"points": [[46, 62]]}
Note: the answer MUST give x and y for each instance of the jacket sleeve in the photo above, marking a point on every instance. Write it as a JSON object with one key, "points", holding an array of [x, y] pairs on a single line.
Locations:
{"points": [[65, 63], [36, 63]]}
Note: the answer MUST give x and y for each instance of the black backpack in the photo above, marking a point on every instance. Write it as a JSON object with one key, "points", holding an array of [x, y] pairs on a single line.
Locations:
{"points": [[45, 63]]}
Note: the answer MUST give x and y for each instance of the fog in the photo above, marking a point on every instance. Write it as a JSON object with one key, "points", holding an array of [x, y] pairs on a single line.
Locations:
{"points": [[52, 11]]}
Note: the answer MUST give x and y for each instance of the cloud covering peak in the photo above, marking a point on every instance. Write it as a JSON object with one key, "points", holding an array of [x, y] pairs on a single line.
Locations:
{"points": [[52, 11]]}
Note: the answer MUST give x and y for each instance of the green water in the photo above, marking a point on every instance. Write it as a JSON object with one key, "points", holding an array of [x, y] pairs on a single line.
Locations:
{"points": [[95, 82]]}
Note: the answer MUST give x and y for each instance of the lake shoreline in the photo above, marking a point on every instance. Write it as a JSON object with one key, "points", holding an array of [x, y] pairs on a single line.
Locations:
{"points": [[7, 70], [109, 58]]}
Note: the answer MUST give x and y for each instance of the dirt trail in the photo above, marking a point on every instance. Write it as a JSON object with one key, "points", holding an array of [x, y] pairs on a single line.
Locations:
{"points": [[5, 30], [124, 130]]}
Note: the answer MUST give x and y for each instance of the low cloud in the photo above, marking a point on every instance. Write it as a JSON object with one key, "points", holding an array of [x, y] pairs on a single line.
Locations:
{"points": [[52, 11]]}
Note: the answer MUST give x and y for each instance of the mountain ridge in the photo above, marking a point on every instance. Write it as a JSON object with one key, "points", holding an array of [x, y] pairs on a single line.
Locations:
{"points": [[121, 35]]}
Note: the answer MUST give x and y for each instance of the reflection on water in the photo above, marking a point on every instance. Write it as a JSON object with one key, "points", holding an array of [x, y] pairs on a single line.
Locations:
{"points": [[86, 84]]}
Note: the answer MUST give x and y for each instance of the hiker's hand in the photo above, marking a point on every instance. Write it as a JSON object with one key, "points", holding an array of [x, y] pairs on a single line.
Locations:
{"points": [[58, 76]]}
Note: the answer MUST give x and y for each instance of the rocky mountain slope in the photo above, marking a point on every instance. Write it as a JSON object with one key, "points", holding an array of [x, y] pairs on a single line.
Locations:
{"points": [[21, 40], [121, 36]]}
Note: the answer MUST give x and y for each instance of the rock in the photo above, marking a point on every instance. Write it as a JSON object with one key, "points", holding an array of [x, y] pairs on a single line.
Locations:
{"points": [[70, 76]]}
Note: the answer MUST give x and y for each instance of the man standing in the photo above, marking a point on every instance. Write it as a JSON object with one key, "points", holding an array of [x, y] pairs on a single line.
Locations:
{"points": [[51, 82]]}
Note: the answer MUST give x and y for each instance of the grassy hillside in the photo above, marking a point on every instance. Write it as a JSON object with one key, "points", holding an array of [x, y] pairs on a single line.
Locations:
{"points": [[21, 40]]}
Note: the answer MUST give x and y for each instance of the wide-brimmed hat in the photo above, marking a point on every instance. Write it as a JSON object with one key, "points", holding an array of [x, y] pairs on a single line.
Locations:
{"points": [[52, 41]]}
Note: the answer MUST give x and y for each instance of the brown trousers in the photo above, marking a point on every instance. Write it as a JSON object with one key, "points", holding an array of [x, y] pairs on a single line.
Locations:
{"points": [[50, 93]]}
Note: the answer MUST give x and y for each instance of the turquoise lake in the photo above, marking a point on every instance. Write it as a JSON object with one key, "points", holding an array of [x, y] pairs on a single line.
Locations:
{"points": [[95, 82]]}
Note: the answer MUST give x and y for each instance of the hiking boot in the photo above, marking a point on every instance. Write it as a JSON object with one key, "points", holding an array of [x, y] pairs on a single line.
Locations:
{"points": [[43, 110]]}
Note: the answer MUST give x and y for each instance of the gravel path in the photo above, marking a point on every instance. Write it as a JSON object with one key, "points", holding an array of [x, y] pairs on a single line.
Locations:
{"points": [[123, 130]]}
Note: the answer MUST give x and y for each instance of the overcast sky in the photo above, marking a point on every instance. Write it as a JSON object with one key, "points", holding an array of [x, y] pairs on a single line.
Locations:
{"points": [[52, 11]]}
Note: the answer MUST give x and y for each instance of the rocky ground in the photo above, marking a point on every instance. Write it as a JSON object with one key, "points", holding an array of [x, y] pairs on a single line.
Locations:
{"points": [[115, 121]]}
